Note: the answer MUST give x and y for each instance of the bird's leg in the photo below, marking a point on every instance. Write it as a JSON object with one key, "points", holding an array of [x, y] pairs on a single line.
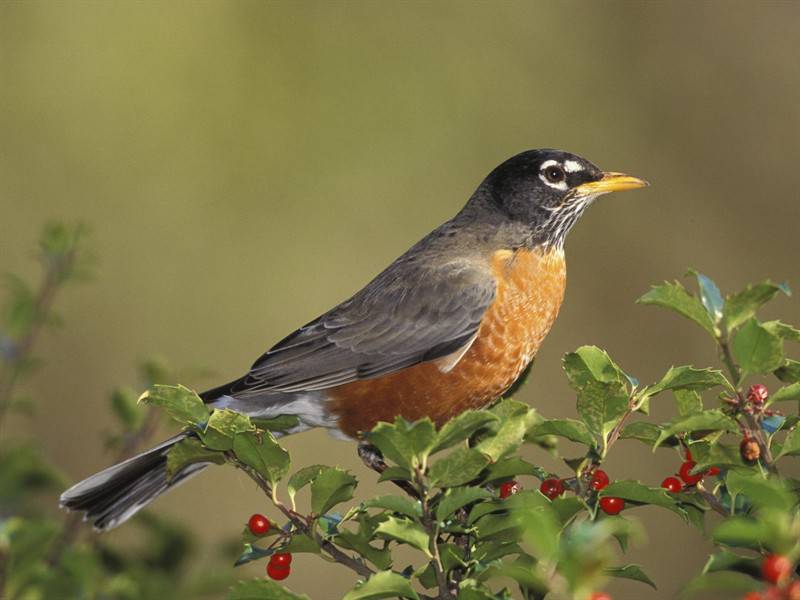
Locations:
{"points": [[373, 459]]}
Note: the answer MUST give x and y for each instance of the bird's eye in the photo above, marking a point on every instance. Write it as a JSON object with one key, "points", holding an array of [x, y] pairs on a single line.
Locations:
{"points": [[554, 174]]}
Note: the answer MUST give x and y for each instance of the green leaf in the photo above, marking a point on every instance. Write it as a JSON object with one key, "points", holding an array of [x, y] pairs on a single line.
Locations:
{"points": [[229, 423], [262, 589], [301, 479], [728, 561], [457, 468], [762, 493], [601, 388], [190, 451], [278, 423], [456, 498], [395, 474], [789, 372], [567, 507], [688, 402], [384, 584], [783, 331], [742, 306], [331, 487], [181, 403], [302, 543], [262, 453], [462, 427], [633, 572], [511, 467], [709, 420], [688, 378], [715, 454], [648, 433], [673, 295], [710, 296], [406, 444], [743, 532], [406, 532], [638, 493], [360, 542], [756, 349], [791, 445], [727, 581], [508, 437], [787, 392], [398, 504], [570, 429]]}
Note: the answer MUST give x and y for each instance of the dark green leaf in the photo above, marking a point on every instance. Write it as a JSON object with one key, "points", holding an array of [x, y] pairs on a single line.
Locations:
{"points": [[384, 584], [458, 467], [462, 427], [455, 498], [643, 431], [789, 372], [190, 451], [689, 378], [727, 581], [709, 420], [688, 402], [787, 392], [395, 474], [302, 478], [633, 572], [508, 437], [406, 444], [302, 543], [398, 504], [756, 349], [279, 423], [263, 454], [742, 306], [761, 492], [405, 531], [181, 403], [331, 487], [570, 429], [511, 467], [673, 295], [262, 589], [601, 387]]}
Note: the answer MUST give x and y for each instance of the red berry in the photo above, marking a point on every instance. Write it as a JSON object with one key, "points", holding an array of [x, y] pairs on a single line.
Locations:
{"points": [[775, 568], [278, 572], [258, 524], [552, 488], [773, 593], [281, 559], [753, 596], [672, 484], [509, 488], [686, 475], [793, 591], [611, 505], [758, 394], [713, 471], [599, 480], [599, 596]]}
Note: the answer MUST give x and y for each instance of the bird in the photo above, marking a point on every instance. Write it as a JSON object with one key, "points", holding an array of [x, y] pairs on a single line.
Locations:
{"points": [[448, 326]]}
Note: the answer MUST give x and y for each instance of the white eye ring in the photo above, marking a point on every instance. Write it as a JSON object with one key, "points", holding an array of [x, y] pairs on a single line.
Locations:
{"points": [[552, 174]]}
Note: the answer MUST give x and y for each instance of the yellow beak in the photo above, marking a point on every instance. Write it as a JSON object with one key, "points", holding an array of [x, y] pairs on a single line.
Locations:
{"points": [[611, 182]]}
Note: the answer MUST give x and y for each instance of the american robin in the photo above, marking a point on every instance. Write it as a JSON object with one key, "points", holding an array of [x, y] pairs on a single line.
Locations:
{"points": [[448, 326]]}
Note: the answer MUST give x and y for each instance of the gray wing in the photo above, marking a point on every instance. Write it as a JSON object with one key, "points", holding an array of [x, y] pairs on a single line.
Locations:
{"points": [[396, 321]]}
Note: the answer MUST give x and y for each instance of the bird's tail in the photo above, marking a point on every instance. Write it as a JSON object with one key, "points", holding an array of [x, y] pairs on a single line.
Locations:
{"points": [[114, 495]]}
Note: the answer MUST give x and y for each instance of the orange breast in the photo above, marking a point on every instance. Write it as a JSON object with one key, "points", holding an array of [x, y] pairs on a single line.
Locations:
{"points": [[530, 288]]}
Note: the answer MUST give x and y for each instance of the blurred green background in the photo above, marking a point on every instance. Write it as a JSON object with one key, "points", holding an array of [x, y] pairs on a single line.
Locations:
{"points": [[246, 165]]}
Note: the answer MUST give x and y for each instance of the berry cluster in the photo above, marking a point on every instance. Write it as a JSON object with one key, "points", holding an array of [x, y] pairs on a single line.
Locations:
{"points": [[280, 563], [685, 477], [776, 570], [553, 488]]}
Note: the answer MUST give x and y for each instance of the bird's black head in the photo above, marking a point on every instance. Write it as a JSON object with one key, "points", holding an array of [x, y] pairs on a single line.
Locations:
{"points": [[547, 190]]}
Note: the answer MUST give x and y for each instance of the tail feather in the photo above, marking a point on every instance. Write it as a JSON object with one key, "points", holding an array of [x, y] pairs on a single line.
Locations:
{"points": [[114, 495]]}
